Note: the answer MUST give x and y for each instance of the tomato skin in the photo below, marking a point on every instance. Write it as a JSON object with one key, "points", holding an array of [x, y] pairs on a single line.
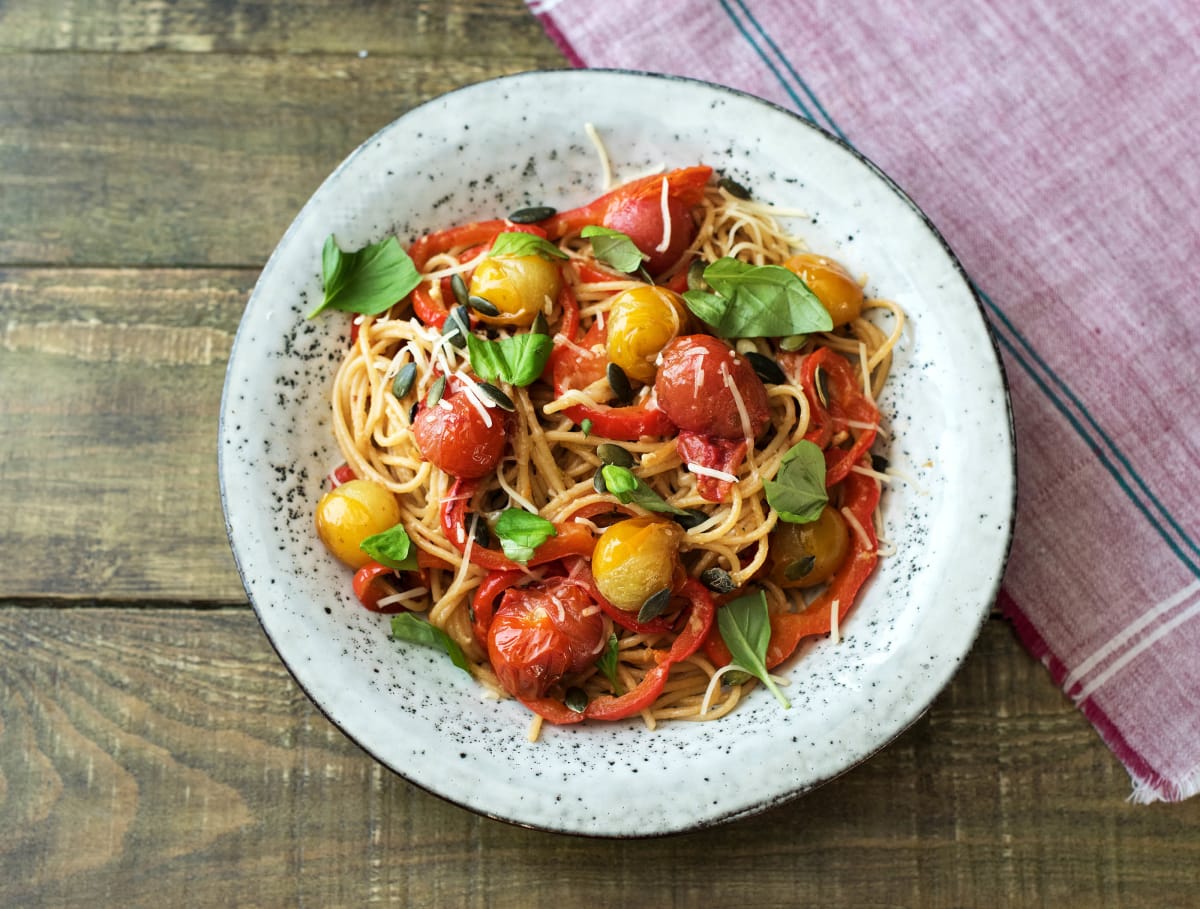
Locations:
{"points": [[456, 438], [541, 633], [691, 388], [640, 218]]}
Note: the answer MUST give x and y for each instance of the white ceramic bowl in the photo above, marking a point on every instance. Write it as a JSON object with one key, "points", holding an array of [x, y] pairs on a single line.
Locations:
{"points": [[488, 149]]}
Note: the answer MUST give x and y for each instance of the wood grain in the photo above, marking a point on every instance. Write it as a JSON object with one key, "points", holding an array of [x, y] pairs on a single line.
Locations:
{"points": [[167, 757]]}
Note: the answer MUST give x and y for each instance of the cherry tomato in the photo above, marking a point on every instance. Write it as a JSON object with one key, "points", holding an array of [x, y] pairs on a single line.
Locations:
{"points": [[837, 290], [640, 323], [692, 388], [805, 555], [541, 633], [350, 513], [635, 559], [454, 436], [640, 218], [518, 286]]}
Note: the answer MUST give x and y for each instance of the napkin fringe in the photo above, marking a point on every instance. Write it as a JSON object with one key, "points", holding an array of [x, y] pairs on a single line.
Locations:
{"points": [[1149, 785]]}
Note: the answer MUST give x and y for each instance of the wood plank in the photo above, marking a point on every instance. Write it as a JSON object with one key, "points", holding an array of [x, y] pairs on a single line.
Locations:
{"points": [[193, 159], [112, 386], [448, 29], [152, 758]]}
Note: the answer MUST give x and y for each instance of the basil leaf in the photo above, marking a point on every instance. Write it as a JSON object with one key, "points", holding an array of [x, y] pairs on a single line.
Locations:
{"points": [[757, 301], [586, 426], [798, 491], [392, 548], [521, 532], [407, 627], [626, 486], [367, 281], [518, 360], [745, 626], [614, 248], [515, 243], [607, 664]]}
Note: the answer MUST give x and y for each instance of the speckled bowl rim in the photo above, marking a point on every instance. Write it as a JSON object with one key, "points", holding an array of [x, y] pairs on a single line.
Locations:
{"points": [[993, 569]]}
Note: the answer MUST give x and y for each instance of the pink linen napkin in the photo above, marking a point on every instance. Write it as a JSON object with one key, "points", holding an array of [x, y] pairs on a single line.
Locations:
{"points": [[1055, 146]]}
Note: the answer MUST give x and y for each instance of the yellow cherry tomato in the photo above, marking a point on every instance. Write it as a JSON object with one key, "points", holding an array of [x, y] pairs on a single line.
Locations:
{"points": [[837, 290], [805, 555], [518, 286], [352, 512], [635, 559], [641, 322]]}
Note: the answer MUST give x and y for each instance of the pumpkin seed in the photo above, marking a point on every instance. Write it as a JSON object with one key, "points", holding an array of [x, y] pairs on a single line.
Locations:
{"points": [[436, 390], [540, 326], [880, 463], [793, 342], [483, 306], [619, 383], [766, 368], [654, 606], [479, 531], [692, 517], [822, 386], [695, 277], [413, 411], [800, 568], [718, 580], [576, 699], [598, 483], [532, 214], [404, 380], [459, 286], [499, 398], [614, 454], [456, 326], [734, 188]]}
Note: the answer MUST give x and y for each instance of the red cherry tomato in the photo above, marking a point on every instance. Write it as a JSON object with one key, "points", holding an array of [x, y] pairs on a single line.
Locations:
{"points": [[453, 435], [640, 218], [541, 633], [692, 388]]}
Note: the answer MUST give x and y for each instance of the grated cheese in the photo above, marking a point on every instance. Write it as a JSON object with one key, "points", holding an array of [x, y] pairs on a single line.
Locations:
{"points": [[404, 597], [747, 431], [602, 152], [858, 529], [666, 216], [710, 472], [834, 631]]}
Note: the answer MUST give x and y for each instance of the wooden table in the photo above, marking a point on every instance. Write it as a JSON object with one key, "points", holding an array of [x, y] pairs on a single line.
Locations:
{"points": [[153, 749]]}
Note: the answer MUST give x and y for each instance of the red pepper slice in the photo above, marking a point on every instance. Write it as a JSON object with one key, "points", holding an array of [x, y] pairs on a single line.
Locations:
{"points": [[787, 629], [698, 622], [483, 605], [685, 184], [372, 583], [725, 455], [573, 539], [581, 573]]}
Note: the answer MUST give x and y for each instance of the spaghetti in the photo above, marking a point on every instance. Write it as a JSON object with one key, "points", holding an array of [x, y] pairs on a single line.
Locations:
{"points": [[588, 473]]}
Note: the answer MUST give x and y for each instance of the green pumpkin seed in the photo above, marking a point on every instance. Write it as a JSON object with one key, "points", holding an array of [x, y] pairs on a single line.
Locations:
{"points": [[459, 286], [792, 342], [456, 326], [479, 531], [499, 398], [695, 277], [614, 454], [822, 386], [436, 390], [619, 383], [576, 699], [404, 380], [800, 568], [766, 368], [718, 580], [693, 517], [540, 326], [734, 188], [655, 606], [483, 306], [532, 214], [598, 483]]}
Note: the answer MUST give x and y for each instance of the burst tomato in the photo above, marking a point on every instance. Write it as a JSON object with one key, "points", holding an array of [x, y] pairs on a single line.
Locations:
{"points": [[693, 388], [541, 633], [455, 437]]}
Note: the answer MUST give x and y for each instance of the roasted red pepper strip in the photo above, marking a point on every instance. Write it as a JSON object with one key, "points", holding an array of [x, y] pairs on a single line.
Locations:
{"points": [[573, 539], [373, 582], [787, 629], [483, 606], [698, 622], [847, 404], [725, 455], [581, 573], [685, 184]]}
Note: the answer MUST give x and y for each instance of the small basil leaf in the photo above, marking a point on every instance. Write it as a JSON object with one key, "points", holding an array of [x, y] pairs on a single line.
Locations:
{"points": [[745, 625], [607, 664], [521, 533], [407, 627], [757, 301], [628, 487], [518, 360], [392, 548], [614, 248], [798, 491], [367, 281], [514, 243]]}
